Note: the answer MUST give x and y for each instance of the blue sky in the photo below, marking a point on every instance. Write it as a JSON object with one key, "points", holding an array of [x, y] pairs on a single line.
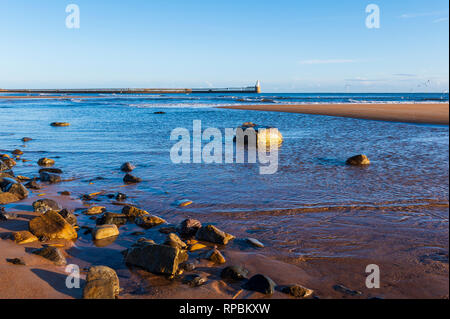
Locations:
{"points": [[290, 45]]}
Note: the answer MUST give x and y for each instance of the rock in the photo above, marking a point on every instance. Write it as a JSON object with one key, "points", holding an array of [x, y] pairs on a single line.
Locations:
{"points": [[17, 152], [23, 178], [59, 124], [143, 242], [23, 237], [94, 210], [212, 234], [121, 197], [255, 242], [50, 178], [127, 167], [194, 280], [358, 160], [52, 225], [3, 166], [51, 170], [26, 139], [69, 216], [65, 193], [158, 259], [53, 254], [133, 212], [101, 283], [297, 291], [105, 231], [137, 233], [174, 241], [44, 205], [196, 246], [11, 191], [46, 162], [112, 218], [215, 256], [346, 290], [235, 273], [16, 261], [149, 221], [32, 185], [183, 203], [260, 283], [264, 136], [130, 179], [189, 227], [187, 266], [159, 112], [4, 216]]}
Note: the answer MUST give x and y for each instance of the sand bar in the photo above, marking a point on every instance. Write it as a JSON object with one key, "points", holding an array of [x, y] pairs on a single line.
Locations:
{"points": [[431, 113]]}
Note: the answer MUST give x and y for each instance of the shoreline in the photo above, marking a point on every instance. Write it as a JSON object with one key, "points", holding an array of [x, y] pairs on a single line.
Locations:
{"points": [[423, 113]]}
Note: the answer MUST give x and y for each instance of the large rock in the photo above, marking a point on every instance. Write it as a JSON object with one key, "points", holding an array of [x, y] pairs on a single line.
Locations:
{"points": [[130, 179], [101, 283], [50, 178], [189, 227], [133, 212], [158, 259], [250, 134], [11, 191], [53, 254], [46, 162], [149, 221], [127, 167], [112, 218], [212, 234], [23, 237], [358, 160], [260, 283], [105, 231], [44, 205], [52, 225]]}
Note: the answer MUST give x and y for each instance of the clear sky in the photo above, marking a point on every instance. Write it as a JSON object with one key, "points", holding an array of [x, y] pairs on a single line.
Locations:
{"points": [[290, 45]]}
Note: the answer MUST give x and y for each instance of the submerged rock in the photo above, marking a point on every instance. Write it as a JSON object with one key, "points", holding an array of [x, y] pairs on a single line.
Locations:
{"points": [[235, 273], [17, 152], [130, 179], [105, 231], [53, 254], [46, 162], [133, 212], [297, 291], [52, 225], [158, 259], [101, 283], [260, 283], [189, 227], [59, 124], [32, 185], [149, 221], [51, 170], [127, 167], [358, 160], [112, 218], [50, 178], [26, 139], [120, 197], [45, 205], [212, 234], [23, 237]]}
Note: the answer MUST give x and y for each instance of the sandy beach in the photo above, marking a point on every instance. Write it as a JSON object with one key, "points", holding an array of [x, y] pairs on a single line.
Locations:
{"points": [[414, 113]]}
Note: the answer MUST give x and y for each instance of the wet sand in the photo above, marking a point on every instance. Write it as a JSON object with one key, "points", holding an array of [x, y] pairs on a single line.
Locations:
{"points": [[431, 113]]}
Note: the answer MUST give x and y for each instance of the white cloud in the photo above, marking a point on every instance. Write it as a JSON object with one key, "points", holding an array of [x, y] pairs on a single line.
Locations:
{"points": [[440, 20], [422, 14], [331, 61]]}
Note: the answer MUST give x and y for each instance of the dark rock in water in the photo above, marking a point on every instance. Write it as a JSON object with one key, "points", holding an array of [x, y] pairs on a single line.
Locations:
{"points": [[53, 254], [130, 179], [346, 290], [121, 197], [297, 291], [138, 233], [174, 241], [3, 166], [212, 234], [44, 205], [194, 280], [167, 230], [16, 261], [26, 139], [112, 218], [187, 266], [149, 221], [189, 227], [68, 216], [50, 178], [17, 152], [143, 242], [159, 112], [86, 197], [260, 283], [358, 160], [32, 185], [6, 163], [158, 259], [133, 212], [59, 124], [51, 170], [65, 193], [127, 167], [46, 162], [101, 283], [235, 273]]}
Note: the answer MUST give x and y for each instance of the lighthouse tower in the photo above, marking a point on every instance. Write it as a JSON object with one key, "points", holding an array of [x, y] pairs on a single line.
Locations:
{"points": [[258, 87]]}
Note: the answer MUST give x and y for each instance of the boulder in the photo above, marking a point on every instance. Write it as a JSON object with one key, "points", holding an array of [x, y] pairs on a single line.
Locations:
{"points": [[215, 256], [133, 212], [112, 218], [23, 237], [212, 234], [235, 273], [52, 225], [130, 179], [189, 227], [149, 221], [259, 136], [127, 167], [101, 283], [44, 205], [69, 216], [358, 160], [105, 231], [297, 291], [260, 283], [174, 241], [158, 259], [46, 162], [94, 210], [50, 178], [53, 254]]}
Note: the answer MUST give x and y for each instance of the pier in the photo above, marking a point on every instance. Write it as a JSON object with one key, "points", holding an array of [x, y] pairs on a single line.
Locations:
{"points": [[249, 89]]}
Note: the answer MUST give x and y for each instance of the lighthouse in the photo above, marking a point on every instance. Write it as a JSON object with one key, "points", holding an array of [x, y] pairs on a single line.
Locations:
{"points": [[258, 87]]}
